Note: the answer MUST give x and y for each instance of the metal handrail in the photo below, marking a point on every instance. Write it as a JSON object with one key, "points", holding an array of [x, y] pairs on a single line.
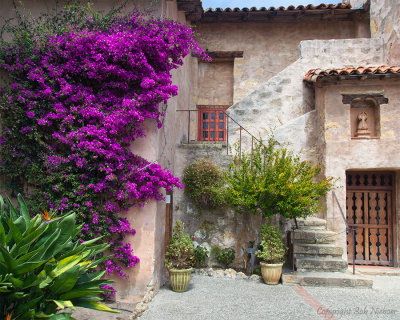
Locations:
{"points": [[348, 228], [227, 130]]}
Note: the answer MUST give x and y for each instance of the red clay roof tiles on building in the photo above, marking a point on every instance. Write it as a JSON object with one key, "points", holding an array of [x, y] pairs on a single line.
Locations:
{"points": [[339, 12], [322, 6], [315, 75]]}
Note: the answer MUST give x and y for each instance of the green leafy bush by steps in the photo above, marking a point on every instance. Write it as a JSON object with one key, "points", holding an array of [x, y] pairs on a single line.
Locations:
{"points": [[273, 180], [224, 256], [180, 251], [203, 182], [200, 256], [42, 269], [273, 249]]}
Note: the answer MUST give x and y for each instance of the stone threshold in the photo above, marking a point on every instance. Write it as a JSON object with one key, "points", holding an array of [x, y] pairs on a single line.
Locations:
{"points": [[326, 279], [376, 270]]}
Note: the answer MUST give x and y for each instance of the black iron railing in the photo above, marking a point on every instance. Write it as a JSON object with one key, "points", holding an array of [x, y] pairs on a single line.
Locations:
{"points": [[229, 121]]}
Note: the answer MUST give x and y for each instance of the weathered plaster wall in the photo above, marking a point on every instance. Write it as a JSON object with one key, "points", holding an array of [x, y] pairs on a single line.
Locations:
{"points": [[158, 146], [385, 24], [268, 47], [343, 153], [215, 86]]}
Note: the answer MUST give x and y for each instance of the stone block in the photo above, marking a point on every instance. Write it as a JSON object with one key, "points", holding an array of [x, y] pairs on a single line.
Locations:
{"points": [[318, 249], [337, 265], [314, 236]]}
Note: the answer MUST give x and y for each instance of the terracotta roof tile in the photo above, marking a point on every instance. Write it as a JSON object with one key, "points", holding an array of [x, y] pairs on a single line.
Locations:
{"points": [[315, 75], [322, 6]]}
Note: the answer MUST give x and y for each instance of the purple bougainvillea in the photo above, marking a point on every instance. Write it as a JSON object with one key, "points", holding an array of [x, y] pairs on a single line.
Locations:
{"points": [[79, 94]]}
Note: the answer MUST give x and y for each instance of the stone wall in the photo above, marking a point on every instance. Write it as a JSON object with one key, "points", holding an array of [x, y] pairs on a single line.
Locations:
{"points": [[221, 227], [385, 24]]}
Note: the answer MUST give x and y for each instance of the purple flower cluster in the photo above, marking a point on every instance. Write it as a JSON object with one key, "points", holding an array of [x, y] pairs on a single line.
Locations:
{"points": [[78, 100], [109, 292]]}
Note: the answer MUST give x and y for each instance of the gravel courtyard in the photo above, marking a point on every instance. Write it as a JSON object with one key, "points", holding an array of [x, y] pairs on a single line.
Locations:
{"points": [[225, 298]]}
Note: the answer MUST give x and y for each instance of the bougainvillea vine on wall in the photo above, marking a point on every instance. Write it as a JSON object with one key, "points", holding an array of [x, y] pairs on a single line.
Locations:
{"points": [[80, 88]]}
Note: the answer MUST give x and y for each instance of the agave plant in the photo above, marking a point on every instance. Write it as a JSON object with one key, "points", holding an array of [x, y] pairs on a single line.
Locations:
{"points": [[44, 269]]}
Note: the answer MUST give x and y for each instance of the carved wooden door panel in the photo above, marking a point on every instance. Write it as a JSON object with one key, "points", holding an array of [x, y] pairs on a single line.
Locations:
{"points": [[370, 207]]}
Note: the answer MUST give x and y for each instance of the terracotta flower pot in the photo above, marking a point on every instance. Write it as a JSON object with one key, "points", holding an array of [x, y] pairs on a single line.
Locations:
{"points": [[271, 273], [179, 279]]}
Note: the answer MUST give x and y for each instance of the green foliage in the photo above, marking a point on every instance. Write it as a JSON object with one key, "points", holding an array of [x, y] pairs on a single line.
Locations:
{"points": [[273, 180], [224, 256], [203, 182], [273, 248], [200, 256], [180, 252], [42, 270]]}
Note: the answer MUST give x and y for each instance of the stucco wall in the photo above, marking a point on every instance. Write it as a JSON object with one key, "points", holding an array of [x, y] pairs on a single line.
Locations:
{"points": [[215, 86], [158, 146], [268, 47], [343, 153]]}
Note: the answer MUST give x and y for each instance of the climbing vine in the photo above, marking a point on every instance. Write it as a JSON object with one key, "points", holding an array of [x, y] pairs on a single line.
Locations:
{"points": [[79, 86]]}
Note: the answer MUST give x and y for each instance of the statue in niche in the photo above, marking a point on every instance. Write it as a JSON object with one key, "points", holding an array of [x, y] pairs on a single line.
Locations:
{"points": [[362, 127]]}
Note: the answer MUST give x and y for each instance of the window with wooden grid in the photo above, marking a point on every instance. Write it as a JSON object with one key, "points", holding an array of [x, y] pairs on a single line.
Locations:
{"points": [[212, 123]]}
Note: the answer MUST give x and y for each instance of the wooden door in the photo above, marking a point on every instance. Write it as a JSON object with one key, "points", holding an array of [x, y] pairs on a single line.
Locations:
{"points": [[370, 207]]}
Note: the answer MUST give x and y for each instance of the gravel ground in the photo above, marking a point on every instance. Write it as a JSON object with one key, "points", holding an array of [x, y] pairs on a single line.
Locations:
{"points": [[224, 298]]}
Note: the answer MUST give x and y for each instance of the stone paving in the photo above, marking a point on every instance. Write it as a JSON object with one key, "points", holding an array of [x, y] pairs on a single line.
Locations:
{"points": [[221, 297]]}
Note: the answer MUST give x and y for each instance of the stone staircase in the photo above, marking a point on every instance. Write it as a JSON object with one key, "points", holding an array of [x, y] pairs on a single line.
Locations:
{"points": [[315, 249], [318, 259]]}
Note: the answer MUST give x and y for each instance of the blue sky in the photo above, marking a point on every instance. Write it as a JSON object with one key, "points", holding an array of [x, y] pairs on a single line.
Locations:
{"points": [[262, 3]]}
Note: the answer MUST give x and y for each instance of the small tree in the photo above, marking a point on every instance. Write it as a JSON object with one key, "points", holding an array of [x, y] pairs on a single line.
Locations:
{"points": [[273, 180]]}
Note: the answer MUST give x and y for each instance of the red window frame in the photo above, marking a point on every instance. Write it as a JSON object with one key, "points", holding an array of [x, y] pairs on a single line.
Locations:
{"points": [[211, 123]]}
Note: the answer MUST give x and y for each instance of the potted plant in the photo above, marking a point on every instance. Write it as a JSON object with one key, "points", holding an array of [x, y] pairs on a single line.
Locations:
{"points": [[179, 258], [272, 253]]}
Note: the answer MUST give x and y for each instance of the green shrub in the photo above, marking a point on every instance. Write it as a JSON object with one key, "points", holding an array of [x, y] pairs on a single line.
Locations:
{"points": [[42, 269], [204, 184], [273, 180], [273, 249], [180, 251], [200, 256], [224, 256]]}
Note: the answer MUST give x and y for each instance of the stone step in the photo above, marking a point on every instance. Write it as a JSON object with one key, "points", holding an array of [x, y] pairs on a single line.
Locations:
{"points": [[321, 264], [304, 249], [314, 236], [311, 223], [326, 279]]}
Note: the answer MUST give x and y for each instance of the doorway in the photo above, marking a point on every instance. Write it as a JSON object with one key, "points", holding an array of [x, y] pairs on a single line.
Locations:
{"points": [[370, 209]]}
